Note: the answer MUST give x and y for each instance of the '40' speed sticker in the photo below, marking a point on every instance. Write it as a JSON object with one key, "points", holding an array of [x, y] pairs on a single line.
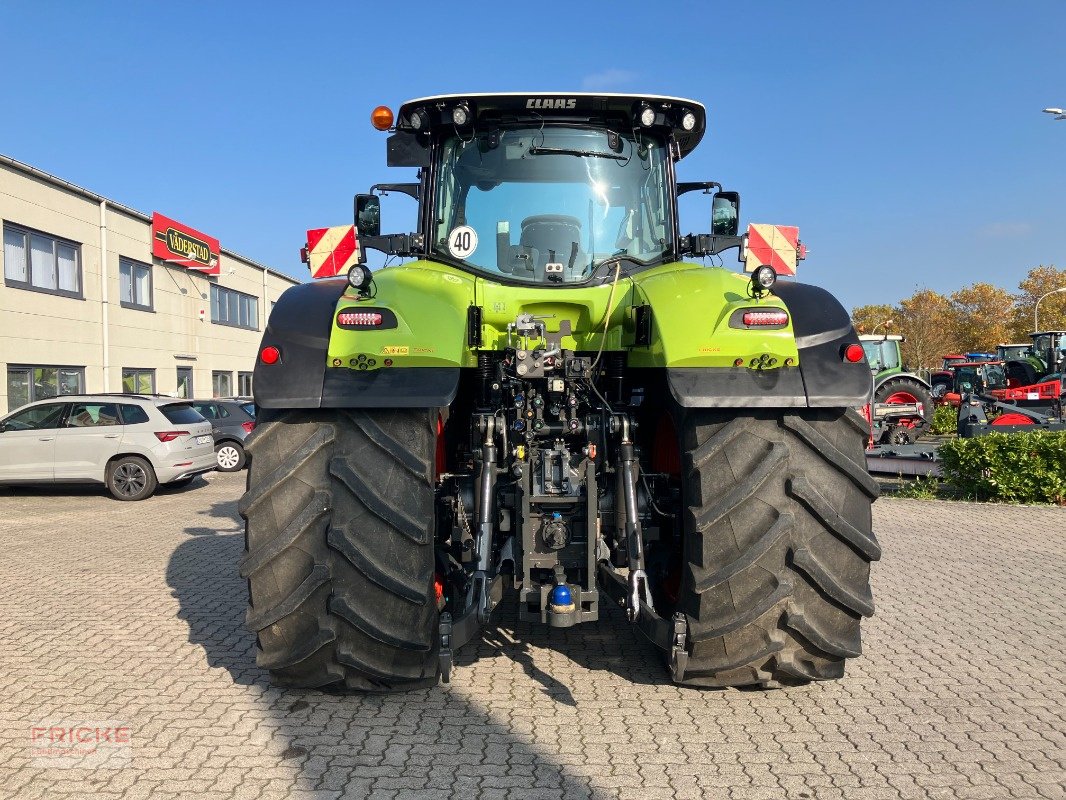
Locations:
{"points": [[462, 242]]}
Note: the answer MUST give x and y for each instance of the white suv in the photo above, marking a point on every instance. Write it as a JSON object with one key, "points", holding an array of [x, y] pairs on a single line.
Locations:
{"points": [[130, 443]]}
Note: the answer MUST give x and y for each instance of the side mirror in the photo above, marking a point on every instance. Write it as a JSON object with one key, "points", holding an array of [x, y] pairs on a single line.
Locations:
{"points": [[725, 214], [368, 215]]}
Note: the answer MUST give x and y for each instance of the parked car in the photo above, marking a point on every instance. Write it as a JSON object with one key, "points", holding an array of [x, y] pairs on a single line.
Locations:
{"points": [[130, 443], [246, 403], [231, 422]]}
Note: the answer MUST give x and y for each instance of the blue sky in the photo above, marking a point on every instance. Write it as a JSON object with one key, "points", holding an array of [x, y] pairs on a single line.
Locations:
{"points": [[905, 139]]}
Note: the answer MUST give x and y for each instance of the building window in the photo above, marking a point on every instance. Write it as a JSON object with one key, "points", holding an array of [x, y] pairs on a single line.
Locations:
{"points": [[244, 384], [221, 384], [229, 307], [185, 383], [41, 263], [26, 384], [135, 284], [138, 381]]}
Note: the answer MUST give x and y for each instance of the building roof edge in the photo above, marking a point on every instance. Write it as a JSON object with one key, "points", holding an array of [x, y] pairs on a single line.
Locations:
{"points": [[133, 212]]}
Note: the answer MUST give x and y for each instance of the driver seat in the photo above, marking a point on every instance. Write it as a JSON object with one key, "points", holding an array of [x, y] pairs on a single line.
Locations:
{"points": [[552, 232]]}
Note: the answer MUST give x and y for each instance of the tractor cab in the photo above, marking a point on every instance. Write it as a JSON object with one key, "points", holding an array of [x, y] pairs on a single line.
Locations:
{"points": [[548, 190], [882, 352], [979, 376], [1018, 351], [970, 378], [1048, 347]]}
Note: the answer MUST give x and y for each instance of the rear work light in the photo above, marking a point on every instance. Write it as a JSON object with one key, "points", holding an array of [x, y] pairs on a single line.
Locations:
{"points": [[854, 353], [169, 436], [359, 319], [270, 355], [759, 318], [248, 426]]}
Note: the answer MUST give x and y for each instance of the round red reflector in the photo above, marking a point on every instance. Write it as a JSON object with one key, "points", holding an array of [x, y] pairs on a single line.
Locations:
{"points": [[381, 118], [438, 587], [739, 362], [270, 355], [854, 353]]}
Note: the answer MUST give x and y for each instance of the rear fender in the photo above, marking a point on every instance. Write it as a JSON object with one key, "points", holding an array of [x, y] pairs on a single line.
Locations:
{"points": [[905, 376], [413, 362], [299, 327], [823, 330]]}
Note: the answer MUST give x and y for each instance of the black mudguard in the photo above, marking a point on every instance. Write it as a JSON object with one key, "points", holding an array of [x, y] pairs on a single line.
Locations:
{"points": [[823, 379], [300, 326]]}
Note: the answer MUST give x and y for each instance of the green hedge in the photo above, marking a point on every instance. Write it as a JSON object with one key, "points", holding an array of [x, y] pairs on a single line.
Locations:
{"points": [[945, 419], [1009, 467]]}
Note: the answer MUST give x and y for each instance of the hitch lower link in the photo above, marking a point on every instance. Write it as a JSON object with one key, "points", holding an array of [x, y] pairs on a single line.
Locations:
{"points": [[482, 596], [639, 591]]}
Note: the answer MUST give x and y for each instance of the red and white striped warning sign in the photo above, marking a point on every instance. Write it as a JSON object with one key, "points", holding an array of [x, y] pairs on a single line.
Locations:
{"points": [[331, 251], [776, 245]]}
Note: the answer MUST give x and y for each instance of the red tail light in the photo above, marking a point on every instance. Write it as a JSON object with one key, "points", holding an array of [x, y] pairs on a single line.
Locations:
{"points": [[441, 459], [359, 319], [765, 318], [854, 353], [169, 436], [438, 587], [248, 426], [270, 355]]}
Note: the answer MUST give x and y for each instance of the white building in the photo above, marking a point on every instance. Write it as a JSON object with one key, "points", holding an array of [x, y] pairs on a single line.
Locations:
{"points": [[72, 321]]}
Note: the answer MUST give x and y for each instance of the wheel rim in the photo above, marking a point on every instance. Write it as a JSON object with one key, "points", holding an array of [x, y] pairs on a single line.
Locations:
{"points": [[228, 457], [1012, 418], [901, 398], [130, 479], [900, 437]]}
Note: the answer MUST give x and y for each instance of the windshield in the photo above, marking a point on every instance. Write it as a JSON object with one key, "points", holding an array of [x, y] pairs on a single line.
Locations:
{"points": [[549, 205]]}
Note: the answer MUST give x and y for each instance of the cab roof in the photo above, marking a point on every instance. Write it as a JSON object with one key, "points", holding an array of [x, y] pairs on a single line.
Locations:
{"points": [[608, 110]]}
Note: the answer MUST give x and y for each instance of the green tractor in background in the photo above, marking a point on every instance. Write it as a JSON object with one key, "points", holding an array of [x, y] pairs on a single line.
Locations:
{"points": [[895, 385], [556, 399]]}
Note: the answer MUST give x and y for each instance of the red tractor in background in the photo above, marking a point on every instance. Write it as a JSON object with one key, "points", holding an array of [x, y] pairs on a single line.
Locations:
{"points": [[1036, 380]]}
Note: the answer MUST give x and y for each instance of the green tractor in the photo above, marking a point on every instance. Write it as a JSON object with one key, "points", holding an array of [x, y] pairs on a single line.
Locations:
{"points": [[895, 385], [555, 399]]}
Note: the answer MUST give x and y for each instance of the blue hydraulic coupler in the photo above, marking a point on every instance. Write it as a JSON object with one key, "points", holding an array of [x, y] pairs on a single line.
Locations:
{"points": [[560, 601]]}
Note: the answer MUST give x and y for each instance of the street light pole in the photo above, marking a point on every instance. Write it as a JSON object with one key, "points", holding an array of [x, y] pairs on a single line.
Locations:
{"points": [[1036, 309]]}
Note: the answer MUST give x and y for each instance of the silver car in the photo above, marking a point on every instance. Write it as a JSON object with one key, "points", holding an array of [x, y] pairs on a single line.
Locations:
{"points": [[130, 443]]}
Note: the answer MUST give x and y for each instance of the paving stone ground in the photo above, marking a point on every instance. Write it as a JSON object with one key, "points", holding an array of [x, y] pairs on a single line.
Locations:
{"points": [[129, 615]]}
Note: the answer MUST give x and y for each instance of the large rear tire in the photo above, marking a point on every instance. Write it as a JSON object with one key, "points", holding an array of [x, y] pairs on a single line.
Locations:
{"points": [[778, 544], [906, 391], [339, 556]]}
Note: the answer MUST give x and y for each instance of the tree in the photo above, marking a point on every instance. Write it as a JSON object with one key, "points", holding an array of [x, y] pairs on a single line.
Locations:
{"points": [[866, 318], [983, 316], [1036, 284], [926, 322]]}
